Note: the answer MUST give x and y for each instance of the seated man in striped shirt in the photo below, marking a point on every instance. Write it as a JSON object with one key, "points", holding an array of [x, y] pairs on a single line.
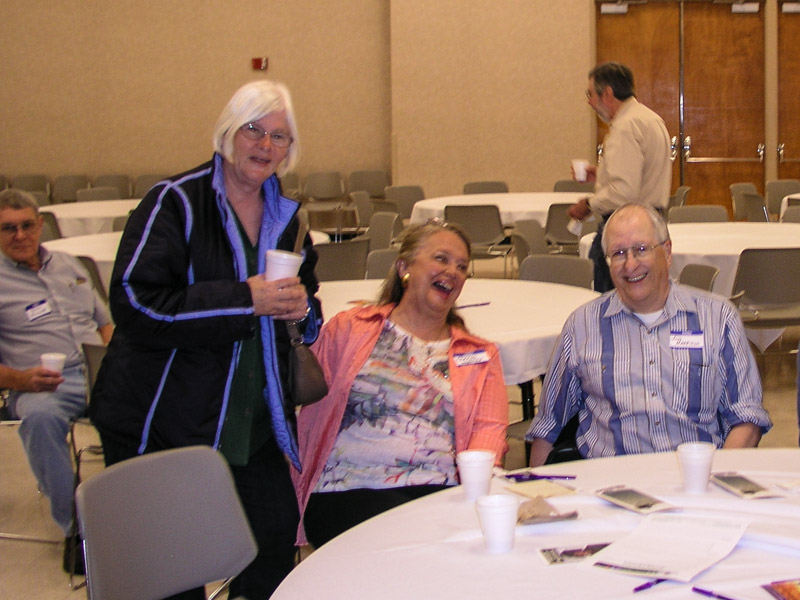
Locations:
{"points": [[651, 364]]}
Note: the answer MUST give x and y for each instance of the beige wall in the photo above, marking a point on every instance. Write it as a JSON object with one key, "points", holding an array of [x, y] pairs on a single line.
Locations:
{"points": [[490, 90], [137, 86]]}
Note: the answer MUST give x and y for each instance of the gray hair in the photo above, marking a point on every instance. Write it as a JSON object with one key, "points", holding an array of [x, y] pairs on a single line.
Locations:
{"points": [[616, 75], [17, 199], [251, 102], [659, 225]]}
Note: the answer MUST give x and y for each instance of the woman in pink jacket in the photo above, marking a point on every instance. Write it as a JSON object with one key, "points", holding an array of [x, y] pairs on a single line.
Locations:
{"points": [[409, 387]]}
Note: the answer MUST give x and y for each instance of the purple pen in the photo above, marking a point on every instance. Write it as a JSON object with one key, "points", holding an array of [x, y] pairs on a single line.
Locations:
{"points": [[533, 476], [647, 585], [711, 594]]}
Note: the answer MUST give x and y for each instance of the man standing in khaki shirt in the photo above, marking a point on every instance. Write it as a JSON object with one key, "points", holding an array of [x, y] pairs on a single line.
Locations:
{"points": [[635, 166]]}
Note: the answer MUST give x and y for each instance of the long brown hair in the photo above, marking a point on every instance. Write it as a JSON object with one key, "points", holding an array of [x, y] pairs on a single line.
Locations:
{"points": [[411, 241]]}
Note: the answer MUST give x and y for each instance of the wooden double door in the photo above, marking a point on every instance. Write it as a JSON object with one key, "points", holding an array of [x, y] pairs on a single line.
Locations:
{"points": [[701, 67]]}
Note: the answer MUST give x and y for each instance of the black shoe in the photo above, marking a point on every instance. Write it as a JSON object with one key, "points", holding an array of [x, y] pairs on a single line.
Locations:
{"points": [[73, 550]]}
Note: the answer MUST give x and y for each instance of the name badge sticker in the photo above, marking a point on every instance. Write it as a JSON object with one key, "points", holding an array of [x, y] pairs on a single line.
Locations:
{"points": [[471, 358], [37, 310], [686, 339]]}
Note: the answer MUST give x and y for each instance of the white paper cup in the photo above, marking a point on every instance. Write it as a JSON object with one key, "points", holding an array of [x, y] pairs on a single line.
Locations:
{"points": [[498, 516], [695, 460], [281, 264], [475, 471], [579, 167], [53, 361]]}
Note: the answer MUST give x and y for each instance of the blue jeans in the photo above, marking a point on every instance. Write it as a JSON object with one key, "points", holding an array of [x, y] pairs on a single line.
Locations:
{"points": [[45, 423]]}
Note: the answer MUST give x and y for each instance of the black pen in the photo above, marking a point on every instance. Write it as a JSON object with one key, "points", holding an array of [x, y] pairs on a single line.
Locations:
{"points": [[711, 594], [473, 305], [647, 585]]}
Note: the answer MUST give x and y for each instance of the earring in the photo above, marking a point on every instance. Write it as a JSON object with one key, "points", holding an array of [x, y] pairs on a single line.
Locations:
{"points": [[404, 279]]}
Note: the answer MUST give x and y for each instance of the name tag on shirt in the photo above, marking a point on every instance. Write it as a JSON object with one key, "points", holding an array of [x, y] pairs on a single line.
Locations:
{"points": [[471, 358], [686, 339], [38, 309]]}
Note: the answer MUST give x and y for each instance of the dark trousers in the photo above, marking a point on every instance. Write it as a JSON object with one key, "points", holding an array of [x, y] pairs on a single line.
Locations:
{"points": [[266, 492], [602, 276], [331, 513]]}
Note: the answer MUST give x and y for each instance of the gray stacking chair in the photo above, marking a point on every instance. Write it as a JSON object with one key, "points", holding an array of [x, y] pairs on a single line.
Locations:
{"points": [[564, 269], [323, 186], [363, 204], [405, 196], [736, 198], [486, 187], [534, 235], [383, 228], [679, 199], [777, 190], [698, 213], [373, 182], [791, 215], [50, 228], [32, 183], [162, 523], [66, 186], [380, 261], [98, 193], [699, 276], [345, 260], [570, 185], [755, 210], [121, 182], [484, 227]]}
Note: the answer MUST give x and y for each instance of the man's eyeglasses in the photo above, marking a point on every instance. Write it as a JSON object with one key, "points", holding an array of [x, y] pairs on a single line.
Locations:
{"points": [[277, 138], [9, 229], [639, 252]]}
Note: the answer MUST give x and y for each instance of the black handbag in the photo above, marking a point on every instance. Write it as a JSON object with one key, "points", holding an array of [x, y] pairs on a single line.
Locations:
{"points": [[306, 379]]}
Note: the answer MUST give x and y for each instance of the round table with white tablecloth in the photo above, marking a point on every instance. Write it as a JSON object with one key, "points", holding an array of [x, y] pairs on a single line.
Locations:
{"points": [[513, 206], [86, 218], [433, 548]]}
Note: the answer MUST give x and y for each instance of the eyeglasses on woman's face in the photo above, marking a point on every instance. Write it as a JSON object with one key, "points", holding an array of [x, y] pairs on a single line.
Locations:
{"points": [[253, 132]]}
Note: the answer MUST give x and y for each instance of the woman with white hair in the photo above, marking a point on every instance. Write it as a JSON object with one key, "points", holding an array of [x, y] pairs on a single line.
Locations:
{"points": [[201, 346]]}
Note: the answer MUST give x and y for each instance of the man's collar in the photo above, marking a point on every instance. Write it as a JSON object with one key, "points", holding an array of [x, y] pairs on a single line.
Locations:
{"points": [[624, 106]]}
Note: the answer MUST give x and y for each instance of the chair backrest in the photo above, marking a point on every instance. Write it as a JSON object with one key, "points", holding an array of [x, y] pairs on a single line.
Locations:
{"points": [[681, 194], [346, 260], [567, 270], [363, 205], [144, 182], [736, 198], [777, 190], [65, 187], [94, 354], [755, 210], [520, 246], [41, 198], [767, 276], [290, 181], [555, 229], [533, 232], [570, 185], [379, 205], [791, 214], [50, 228], [94, 273], [118, 224], [162, 523], [698, 213], [323, 185], [481, 222], [383, 228], [699, 276], [405, 196], [32, 183], [380, 261], [486, 187], [119, 181], [373, 182], [97, 193]]}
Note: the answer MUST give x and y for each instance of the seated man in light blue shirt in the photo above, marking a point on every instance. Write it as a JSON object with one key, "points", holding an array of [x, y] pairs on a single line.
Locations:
{"points": [[47, 304], [651, 364]]}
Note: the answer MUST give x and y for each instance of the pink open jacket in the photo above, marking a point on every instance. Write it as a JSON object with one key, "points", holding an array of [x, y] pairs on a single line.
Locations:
{"points": [[479, 395]]}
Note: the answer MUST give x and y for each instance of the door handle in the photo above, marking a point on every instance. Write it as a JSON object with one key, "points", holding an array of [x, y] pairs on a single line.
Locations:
{"points": [[782, 155], [687, 148], [673, 147], [687, 154]]}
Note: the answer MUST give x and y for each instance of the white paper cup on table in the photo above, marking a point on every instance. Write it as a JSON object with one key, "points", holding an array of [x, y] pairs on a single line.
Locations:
{"points": [[695, 460], [475, 472], [579, 169], [53, 361], [498, 516], [282, 264]]}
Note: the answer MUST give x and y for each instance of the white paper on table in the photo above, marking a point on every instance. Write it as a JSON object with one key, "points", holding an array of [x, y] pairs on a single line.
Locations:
{"points": [[672, 546]]}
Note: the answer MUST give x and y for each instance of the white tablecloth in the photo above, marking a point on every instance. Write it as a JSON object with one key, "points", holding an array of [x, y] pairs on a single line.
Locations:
{"points": [[102, 247], [432, 547], [86, 218], [532, 205], [523, 318]]}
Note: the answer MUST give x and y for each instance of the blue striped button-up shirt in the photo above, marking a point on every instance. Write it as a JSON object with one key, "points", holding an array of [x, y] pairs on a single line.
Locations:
{"points": [[634, 392]]}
